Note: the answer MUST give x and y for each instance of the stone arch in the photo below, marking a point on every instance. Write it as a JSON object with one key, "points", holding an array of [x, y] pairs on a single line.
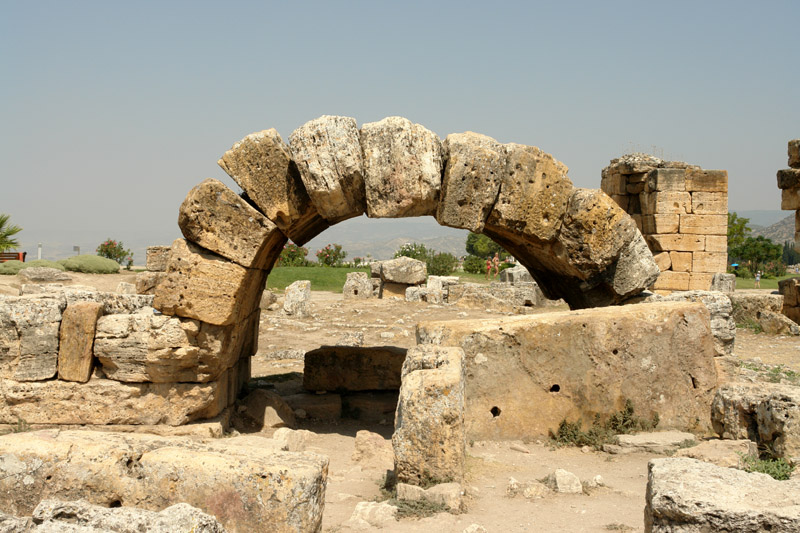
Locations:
{"points": [[577, 243]]}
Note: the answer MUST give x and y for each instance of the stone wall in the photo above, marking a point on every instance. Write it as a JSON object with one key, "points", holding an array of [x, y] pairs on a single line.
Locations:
{"points": [[789, 184], [681, 210]]}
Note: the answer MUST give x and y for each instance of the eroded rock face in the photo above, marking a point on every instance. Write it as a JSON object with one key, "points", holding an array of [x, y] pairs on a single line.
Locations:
{"points": [[246, 487], [402, 168], [474, 168], [261, 164], [219, 220], [205, 286], [687, 495], [429, 440], [660, 356], [327, 152]]}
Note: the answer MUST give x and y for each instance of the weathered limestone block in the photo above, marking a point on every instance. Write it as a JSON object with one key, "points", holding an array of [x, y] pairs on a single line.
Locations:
{"points": [[717, 243], [677, 243], [704, 224], [55, 515], [663, 260], [767, 413], [261, 164], [219, 220], [580, 363], [788, 178], [316, 406], [125, 288], [777, 324], [29, 336], [358, 285], [534, 193], [790, 290], [709, 203], [687, 495], [146, 282], [515, 275], [144, 347], [747, 306], [794, 153], [402, 168], [204, 286], [328, 155], [429, 440], [353, 368], [371, 406], [42, 275], [681, 261], [712, 262], [790, 199], [263, 410], [113, 303], [475, 165], [651, 442], [666, 202], [725, 453], [297, 298], [404, 270], [706, 180], [105, 401], [496, 296], [247, 487], [723, 282], [661, 223], [76, 340], [157, 258], [723, 326], [666, 179]]}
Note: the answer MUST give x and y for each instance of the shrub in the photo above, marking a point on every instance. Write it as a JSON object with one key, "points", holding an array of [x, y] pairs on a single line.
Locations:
{"points": [[331, 255], [621, 422], [441, 264], [90, 264], [13, 267], [474, 265], [414, 250], [115, 251], [779, 468], [293, 255], [7, 232]]}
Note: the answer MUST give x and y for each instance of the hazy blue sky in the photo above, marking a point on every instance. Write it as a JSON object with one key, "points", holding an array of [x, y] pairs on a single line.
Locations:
{"points": [[112, 111]]}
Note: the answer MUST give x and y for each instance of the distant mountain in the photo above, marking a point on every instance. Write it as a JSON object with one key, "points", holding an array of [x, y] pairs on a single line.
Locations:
{"points": [[780, 232], [762, 217]]}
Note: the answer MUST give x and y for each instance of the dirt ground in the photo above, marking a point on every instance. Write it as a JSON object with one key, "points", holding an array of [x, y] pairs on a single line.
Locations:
{"points": [[619, 506]]}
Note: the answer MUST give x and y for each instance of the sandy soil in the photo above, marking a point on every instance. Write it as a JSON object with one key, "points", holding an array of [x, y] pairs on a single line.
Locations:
{"points": [[618, 506]]}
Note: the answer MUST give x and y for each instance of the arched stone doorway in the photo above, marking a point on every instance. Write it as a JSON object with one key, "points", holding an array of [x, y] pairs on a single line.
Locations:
{"points": [[577, 243]]}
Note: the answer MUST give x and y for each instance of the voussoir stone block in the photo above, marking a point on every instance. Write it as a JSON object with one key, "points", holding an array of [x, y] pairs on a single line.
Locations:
{"points": [[534, 193], [474, 168], [429, 440], [353, 368], [327, 152], [202, 285], [246, 485], [660, 356], [261, 164], [219, 220], [686, 495], [402, 168], [78, 326]]}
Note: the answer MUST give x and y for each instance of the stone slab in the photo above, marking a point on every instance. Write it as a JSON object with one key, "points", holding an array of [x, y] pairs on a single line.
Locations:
{"points": [[76, 341]]}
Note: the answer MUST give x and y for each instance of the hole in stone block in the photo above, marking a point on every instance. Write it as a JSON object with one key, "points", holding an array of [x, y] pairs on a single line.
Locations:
{"points": [[495, 411], [114, 504], [615, 351], [555, 388]]}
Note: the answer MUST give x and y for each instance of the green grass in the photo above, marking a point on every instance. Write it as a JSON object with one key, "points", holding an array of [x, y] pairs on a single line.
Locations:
{"points": [[779, 468], [333, 278], [772, 284]]}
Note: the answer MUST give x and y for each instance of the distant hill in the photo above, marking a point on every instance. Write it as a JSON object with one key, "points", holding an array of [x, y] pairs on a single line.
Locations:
{"points": [[780, 232]]}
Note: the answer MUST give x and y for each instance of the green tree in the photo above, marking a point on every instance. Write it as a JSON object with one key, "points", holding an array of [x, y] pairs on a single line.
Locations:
{"points": [[7, 232], [482, 246], [754, 253], [437, 263], [115, 250], [738, 231], [331, 255], [414, 250], [790, 255]]}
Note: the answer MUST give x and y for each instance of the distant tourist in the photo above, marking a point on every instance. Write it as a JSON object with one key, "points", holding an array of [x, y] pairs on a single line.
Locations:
{"points": [[496, 264], [757, 284], [488, 267]]}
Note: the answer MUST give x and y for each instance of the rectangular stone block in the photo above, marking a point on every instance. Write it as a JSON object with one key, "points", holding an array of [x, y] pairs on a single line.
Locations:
{"points": [[105, 401], [157, 258], [709, 203], [789, 178], [709, 262], [666, 179], [672, 281], [29, 336], [794, 153], [76, 336], [614, 184], [582, 363], [637, 218], [207, 287], [353, 368], [790, 199], [665, 202], [676, 242], [634, 188], [621, 199], [790, 289], [706, 180], [660, 224], [716, 243], [704, 224], [681, 261], [637, 177], [700, 281], [663, 261]]}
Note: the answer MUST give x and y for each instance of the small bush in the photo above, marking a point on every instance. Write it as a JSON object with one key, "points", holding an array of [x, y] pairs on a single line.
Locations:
{"points": [[90, 264], [622, 422], [293, 255], [115, 251], [474, 265], [331, 255], [10, 268], [779, 468], [413, 250], [441, 264]]}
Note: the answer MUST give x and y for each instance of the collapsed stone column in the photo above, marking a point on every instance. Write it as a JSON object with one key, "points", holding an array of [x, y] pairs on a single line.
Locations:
{"points": [[681, 210]]}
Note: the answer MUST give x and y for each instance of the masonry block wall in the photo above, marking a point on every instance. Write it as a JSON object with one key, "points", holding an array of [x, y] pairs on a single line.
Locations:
{"points": [[682, 211], [789, 183]]}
